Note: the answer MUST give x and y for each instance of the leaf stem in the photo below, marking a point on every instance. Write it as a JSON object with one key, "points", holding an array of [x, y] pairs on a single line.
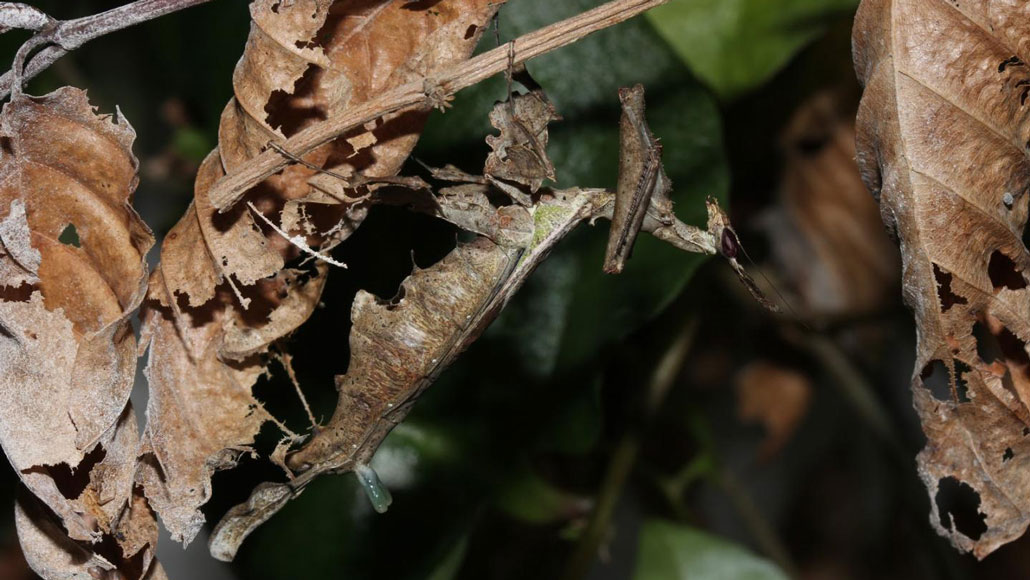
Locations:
{"points": [[62, 36], [433, 91]]}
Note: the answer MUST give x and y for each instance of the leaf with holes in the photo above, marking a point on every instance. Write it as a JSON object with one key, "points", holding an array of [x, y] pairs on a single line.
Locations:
{"points": [[231, 284], [72, 270], [943, 136]]}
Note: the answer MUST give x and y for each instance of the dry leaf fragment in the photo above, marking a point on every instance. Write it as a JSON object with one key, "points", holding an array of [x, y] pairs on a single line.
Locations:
{"points": [[775, 396], [942, 142], [21, 262], [519, 153]]}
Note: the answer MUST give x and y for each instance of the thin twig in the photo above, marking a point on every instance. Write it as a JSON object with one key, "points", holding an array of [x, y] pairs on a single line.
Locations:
{"points": [[62, 36], [286, 360], [430, 92]]}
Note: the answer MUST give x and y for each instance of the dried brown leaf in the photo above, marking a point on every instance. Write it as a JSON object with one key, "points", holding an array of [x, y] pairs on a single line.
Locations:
{"points": [[519, 152], [943, 133], [66, 346], [825, 231], [775, 396]]}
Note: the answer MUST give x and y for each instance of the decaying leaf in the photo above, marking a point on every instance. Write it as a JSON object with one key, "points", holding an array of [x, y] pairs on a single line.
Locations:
{"points": [[943, 136], [72, 270], [230, 284], [519, 153]]}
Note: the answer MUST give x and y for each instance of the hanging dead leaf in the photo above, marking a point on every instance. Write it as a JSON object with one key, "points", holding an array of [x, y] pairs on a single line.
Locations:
{"points": [[223, 292], [825, 230], [73, 270], [943, 135]]}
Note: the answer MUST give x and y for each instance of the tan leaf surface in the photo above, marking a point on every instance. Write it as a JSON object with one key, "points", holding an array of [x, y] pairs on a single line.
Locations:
{"points": [[66, 348], [943, 135], [227, 286]]}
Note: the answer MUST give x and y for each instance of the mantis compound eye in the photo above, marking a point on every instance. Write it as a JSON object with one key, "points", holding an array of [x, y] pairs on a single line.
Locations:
{"points": [[730, 245]]}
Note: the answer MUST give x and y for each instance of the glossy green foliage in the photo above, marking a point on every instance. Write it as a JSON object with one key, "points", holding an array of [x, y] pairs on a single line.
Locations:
{"points": [[737, 45]]}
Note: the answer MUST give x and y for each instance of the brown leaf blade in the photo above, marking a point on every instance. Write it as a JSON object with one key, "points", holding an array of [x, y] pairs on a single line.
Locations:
{"points": [[943, 133], [72, 271]]}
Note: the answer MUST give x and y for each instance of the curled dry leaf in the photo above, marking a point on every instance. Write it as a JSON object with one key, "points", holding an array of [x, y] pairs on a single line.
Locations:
{"points": [[943, 137], [223, 292], [825, 230], [72, 270], [519, 153]]}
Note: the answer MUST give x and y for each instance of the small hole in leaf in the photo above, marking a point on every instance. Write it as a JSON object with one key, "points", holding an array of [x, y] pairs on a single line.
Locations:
{"points": [[935, 378], [69, 236], [961, 388], [470, 31], [810, 145], [1026, 431], [944, 292], [986, 344], [71, 482], [1002, 271], [291, 111], [1007, 455], [959, 504]]}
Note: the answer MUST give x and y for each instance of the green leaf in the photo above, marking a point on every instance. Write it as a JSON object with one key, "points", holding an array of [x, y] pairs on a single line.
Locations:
{"points": [[736, 45], [191, 143], [451, 564], [668, 551], [529, 498]]}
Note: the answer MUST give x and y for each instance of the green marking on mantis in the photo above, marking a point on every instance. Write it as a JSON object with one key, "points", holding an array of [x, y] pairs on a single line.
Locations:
{"points": [[548, 217]]}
